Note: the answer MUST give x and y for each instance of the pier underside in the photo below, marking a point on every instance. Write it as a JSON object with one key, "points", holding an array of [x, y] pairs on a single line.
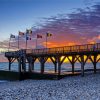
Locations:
{"points": [[81, 54]]}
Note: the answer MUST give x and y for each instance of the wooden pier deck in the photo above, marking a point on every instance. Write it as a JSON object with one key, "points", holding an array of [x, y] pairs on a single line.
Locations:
{"points": [[77, 53]]}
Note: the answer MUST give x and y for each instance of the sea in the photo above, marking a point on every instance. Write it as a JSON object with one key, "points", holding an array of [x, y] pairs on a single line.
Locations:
{"points": [[48, 67]]}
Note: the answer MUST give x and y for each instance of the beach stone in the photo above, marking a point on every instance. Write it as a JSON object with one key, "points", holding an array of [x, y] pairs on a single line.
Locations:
{"points": [[69, 88]]}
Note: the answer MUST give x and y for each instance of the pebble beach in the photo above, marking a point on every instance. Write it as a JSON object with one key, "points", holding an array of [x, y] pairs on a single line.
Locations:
{"points": [[68, 88]]}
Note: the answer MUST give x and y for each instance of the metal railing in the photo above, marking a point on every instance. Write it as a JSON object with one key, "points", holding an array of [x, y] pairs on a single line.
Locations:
{"points": [[65, 49]]}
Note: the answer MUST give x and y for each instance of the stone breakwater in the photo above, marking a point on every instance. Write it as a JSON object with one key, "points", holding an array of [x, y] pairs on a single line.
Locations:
{"points": [[69, 88]]}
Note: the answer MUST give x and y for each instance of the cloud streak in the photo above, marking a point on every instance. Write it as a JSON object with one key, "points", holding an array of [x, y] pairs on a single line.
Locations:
{"points": [[80, 27]]}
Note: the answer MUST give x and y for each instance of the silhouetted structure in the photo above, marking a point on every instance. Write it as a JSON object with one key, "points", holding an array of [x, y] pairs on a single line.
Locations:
{"points": [[73, 53]]}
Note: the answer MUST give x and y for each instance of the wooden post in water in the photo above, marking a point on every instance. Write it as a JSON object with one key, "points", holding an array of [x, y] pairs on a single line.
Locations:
{"points": [[59, 66], [24, 64], [94, 63], [82, 65], [33, 60], [55, 63], [73, 67], [73, 63], [19, 64], [33, 65], [42, 62], [94, 67], [9, 59], [42, 67], [30, 64], [29, 59], [60, 61]]}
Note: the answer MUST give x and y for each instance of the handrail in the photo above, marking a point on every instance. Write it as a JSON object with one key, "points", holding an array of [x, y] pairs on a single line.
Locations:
{"points": [[75, 48]]}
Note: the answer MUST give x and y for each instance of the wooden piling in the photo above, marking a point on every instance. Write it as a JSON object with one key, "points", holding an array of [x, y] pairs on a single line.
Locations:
{"points": [[30, 64], [73, 67], [55, 63], [59, 64], [9, 64], [94, 67], [55, 66], [77, 53], [24, 64], [42, 67], [82, 65], [94, 63], [19, 64], [42, 63]]}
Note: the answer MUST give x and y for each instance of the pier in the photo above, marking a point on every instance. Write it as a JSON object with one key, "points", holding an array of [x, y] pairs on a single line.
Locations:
{"points": [[77, 53]]}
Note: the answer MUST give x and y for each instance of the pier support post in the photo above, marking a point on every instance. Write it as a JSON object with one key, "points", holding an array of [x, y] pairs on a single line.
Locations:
{"points": [[19, 64], [9, 59], [24, 60], [24, 64], [94, 63], [30, 64], [55, 63], [59, 68], [31, 61], [60, 61], [82, 65], [59, 64], [73, 67], [94, 67], [42, 62], [42, 67], [33, 65], [9, 66], [72, 61]]}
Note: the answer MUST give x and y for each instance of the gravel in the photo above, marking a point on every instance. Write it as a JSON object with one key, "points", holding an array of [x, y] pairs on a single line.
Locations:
{"points": [[69, 88]]}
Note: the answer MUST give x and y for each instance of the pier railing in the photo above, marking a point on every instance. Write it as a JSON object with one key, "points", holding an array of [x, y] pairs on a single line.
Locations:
{"points": [[65, 49]]}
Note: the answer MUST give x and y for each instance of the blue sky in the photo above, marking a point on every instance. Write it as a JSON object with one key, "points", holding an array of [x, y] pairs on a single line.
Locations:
{"points": [[17, 15]]}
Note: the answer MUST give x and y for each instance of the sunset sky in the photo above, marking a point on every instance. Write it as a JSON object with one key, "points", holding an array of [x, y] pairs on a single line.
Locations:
{"points": [[70, 21]]}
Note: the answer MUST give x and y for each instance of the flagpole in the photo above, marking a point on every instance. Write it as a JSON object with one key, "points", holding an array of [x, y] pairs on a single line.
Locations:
{"points": [[18, 41], [36, 43], [26, 40], [46, 40], [9, 43]]}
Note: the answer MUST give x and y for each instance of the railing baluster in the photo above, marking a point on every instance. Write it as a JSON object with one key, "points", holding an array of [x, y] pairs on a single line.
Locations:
{"points": [[65, 49]]}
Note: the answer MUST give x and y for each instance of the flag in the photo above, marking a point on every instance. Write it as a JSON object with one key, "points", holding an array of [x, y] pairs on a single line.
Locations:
{"points": [[12, 36], [28, 38], [39, 36], [48, 34], [29, 32], [21, 33]]}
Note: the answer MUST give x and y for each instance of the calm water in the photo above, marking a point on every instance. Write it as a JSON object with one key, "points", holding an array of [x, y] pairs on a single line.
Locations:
{"points": [[48, 66]]}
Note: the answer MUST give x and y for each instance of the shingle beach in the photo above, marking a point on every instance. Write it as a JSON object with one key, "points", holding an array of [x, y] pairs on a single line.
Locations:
{"points": [[69, 88]]}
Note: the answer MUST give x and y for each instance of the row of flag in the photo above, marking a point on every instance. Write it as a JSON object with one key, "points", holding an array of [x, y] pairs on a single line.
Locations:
{"points": [[28, 35]]}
